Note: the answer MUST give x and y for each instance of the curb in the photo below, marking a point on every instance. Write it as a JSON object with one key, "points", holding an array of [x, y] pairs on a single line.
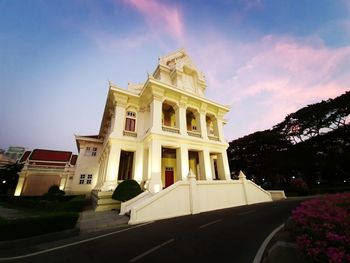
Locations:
{"points": [[18, 243], [259, 254]]}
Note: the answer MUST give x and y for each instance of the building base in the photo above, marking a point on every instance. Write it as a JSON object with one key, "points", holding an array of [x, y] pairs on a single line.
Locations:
{"points": [[102, 201]]}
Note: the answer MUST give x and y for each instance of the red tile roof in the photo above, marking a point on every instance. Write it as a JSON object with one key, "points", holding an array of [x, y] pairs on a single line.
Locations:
{"points": [[50, 155], [24, 156]]}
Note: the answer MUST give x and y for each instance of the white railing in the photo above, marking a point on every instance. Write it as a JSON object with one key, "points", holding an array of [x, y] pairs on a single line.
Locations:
{"points": [[194, 134], [170, 129], [130, 133], [126, 206], [213, 138]]}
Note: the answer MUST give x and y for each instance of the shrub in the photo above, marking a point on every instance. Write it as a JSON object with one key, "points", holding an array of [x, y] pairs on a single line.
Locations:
{"points": [[299, 186], [37, 225], [74, 203], [126, 190], [55, 190], [323, 228]]}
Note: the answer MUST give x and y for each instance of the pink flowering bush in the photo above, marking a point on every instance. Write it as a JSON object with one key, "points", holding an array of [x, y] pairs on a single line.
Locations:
{"points": [[323, 228]]}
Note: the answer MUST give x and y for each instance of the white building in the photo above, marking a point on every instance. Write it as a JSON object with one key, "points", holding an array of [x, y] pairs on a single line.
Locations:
{"points": [[154, 132]]}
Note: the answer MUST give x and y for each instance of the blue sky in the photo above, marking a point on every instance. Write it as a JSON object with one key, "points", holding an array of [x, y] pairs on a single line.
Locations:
{"points": [[263, 58]]}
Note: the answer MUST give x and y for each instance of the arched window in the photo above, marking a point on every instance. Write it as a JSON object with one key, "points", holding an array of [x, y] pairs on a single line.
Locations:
{"points": [[130, 122]]}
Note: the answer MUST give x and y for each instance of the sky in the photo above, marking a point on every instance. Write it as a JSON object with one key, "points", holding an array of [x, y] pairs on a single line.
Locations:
{"points": [[263, 58]]}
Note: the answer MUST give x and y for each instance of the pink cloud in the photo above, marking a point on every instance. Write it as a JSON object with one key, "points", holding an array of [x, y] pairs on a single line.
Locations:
{"points": [[160, 17], [266, 80]]}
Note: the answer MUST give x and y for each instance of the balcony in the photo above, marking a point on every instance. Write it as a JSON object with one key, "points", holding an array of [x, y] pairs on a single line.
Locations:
{"points": [[213, 138], [130, 133], [194, 134], [171, 129]]}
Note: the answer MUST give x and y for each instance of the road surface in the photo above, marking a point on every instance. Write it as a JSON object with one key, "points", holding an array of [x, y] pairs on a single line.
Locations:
{"points": [[228, 235]]}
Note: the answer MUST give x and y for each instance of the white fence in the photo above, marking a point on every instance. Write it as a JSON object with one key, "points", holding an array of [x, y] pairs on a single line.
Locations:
{"points": [[192, 197]]}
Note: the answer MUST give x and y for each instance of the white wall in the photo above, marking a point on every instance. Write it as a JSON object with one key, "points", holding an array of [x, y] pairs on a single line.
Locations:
{"points": [[181, 199], [85, 165], [171, 202], [219, 194]]}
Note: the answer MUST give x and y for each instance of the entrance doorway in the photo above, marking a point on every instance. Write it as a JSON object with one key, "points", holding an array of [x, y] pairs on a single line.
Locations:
{"points": [[126, 165], [169, 169], [169, 176]]}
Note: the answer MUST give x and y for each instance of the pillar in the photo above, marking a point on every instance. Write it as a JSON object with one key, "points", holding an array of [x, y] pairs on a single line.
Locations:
{"points": [[223, 166], [20, 184], [154, 167], [243, 180], [212, 166], [112, 168], [182, 162], [99, 175], [205, 165], [138, 159], [194, 200], [181, 120], [119, 118], [203, 125], [156, 115], [219, 129], [63, 181]]}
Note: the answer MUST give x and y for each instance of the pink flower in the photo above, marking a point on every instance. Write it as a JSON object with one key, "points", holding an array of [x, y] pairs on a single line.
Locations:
{"points": [[323, 228]]}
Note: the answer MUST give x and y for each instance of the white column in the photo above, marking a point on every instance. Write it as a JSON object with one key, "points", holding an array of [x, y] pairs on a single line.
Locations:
{"points": [[223, 160], [63, 181], [182, 161], [194, 200], [100, 174], [154, 166], [112, 168], [112, 123], [182, 120], [242, 179], [156, 115], [20, 184], [212, 166], [138, 159], [203, 125], [219, 129], [119, 119], [205, 166]]}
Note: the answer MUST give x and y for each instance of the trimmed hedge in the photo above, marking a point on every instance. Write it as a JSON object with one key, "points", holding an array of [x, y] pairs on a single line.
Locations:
{"points": [[47, 203], [126, 190], [37, 225]]}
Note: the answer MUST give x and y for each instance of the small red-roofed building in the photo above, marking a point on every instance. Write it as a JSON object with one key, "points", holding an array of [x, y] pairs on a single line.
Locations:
{"points": [[44, 168]]}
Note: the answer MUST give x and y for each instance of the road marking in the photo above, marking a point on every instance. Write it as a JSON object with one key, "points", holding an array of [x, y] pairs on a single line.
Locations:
{"points": [[262, 248], [246, 213], [210, 223], [72, 244], [151, 250]]}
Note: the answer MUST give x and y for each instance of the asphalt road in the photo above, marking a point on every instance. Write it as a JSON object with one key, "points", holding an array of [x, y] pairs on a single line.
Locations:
{"points": [[228, 235]]}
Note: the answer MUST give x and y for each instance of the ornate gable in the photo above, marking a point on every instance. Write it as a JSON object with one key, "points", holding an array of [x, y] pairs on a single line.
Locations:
{"points": [[177, 69]]}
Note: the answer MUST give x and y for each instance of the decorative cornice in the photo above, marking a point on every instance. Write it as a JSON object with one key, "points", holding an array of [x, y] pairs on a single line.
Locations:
{"points": [[120, 100], [157, 92]]}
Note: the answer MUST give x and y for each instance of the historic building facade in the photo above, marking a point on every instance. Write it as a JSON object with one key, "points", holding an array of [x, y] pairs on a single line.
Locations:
{"points": [[43, 168], [155, 132]]}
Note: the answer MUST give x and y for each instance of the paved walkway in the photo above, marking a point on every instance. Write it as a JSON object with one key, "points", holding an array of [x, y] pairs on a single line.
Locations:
{"points": [[90, 220]]}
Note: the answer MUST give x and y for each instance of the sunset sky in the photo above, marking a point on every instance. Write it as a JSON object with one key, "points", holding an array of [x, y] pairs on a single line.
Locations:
{"points": [[264, 59]]}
